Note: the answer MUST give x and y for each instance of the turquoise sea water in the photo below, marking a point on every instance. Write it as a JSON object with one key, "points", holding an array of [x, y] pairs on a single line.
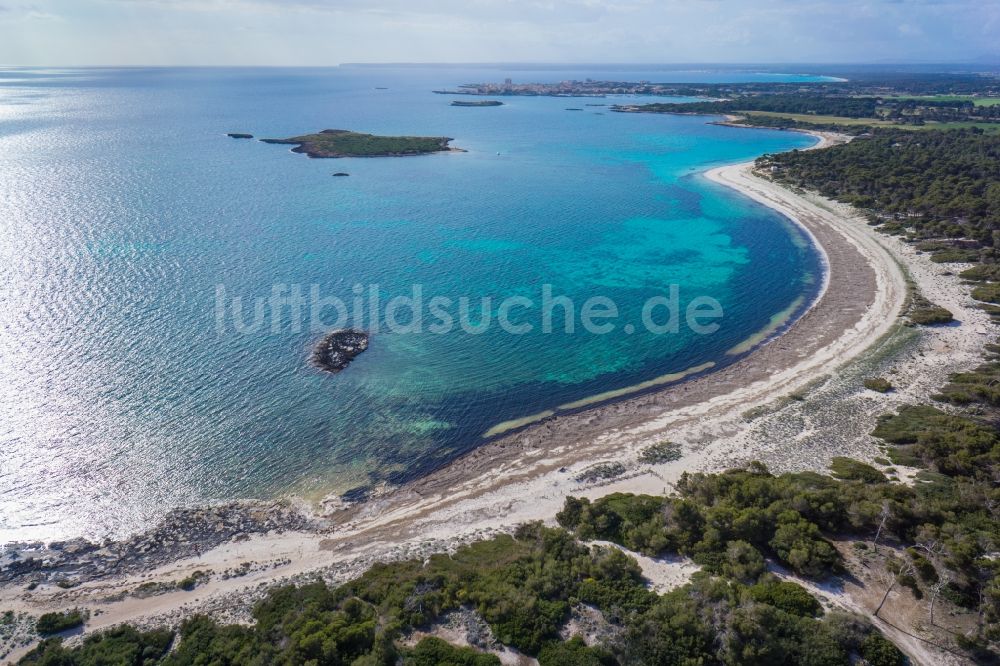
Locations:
{"points": [[124, 208]]}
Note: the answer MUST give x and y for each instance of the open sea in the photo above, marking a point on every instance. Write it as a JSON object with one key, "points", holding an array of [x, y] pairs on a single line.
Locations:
{"points": [[131, 225]]}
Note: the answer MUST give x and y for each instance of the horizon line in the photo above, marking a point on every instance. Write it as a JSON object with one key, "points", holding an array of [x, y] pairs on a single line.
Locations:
{"points": [[567, 64]]}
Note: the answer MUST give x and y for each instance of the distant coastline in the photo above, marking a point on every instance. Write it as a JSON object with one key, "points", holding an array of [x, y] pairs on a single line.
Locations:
{"points": [[586, 88]]}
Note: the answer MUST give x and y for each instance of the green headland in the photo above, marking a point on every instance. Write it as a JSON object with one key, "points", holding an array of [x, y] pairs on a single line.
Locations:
{"points": [[344, 143]]}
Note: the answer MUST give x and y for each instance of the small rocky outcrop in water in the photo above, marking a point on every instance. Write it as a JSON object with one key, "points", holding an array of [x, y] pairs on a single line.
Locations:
{"points": [[239, 135], [338, 348], [341, 174]]}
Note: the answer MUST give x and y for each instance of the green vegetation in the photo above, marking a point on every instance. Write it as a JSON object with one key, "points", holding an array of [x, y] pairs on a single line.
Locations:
{"points": [[575, 652], [727, 523], [922, 312], [659, 453], [982, 273], [190, 582], [989, 293], [804, 103], [930, 185], [948, 443], [783, 122], [877, 651], [121, 646], [344, 143], [731, 523], [432, 651], [789, 597], [853, 470], [930, 315], [985, 128], [976, 101], [524, 586], [879, 384], [778, 106], [855, 126], [814, 119], [942, 190], [600, 472], [981, 385], [943, 252], [53, 623]]}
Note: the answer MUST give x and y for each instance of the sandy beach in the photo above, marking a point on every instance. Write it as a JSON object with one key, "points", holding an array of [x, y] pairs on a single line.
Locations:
{"points": [[793, 403]]}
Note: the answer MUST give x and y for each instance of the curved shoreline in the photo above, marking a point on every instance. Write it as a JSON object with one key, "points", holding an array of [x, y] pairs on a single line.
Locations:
{"points": [[792, 314], [864, 295], [783, 360], [525, 475]]}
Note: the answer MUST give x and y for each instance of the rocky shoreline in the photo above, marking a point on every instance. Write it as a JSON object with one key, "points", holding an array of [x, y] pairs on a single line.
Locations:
{"points": [[181, 534]]}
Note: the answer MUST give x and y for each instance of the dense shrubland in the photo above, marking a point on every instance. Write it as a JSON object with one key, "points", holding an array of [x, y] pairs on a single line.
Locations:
{"points": [[525, 586], [847, 107], [732, 523], [940, 190], [797, 107], [926, 184]]}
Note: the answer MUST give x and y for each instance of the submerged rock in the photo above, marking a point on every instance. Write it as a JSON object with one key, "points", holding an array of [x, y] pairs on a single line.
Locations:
{"points": [[239, 135], [341, 173], [338, 348]]}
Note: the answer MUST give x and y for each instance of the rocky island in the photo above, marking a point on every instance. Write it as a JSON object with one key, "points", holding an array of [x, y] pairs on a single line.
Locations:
{"points": [[485, 102], [338, 348], [345, 143], [239, 135]]}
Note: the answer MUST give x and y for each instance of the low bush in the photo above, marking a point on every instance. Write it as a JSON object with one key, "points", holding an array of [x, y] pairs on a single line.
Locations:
{"points": [[660, 453], [53, 623], [930, 315], [601, 471], [879, 384], [854, 470]]}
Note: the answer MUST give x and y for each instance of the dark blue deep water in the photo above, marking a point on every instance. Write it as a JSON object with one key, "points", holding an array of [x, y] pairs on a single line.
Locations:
{"points": [[125, 210]]}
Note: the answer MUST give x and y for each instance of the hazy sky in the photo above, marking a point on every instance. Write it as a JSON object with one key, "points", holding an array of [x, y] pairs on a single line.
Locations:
{"points": [[328, 32]]}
